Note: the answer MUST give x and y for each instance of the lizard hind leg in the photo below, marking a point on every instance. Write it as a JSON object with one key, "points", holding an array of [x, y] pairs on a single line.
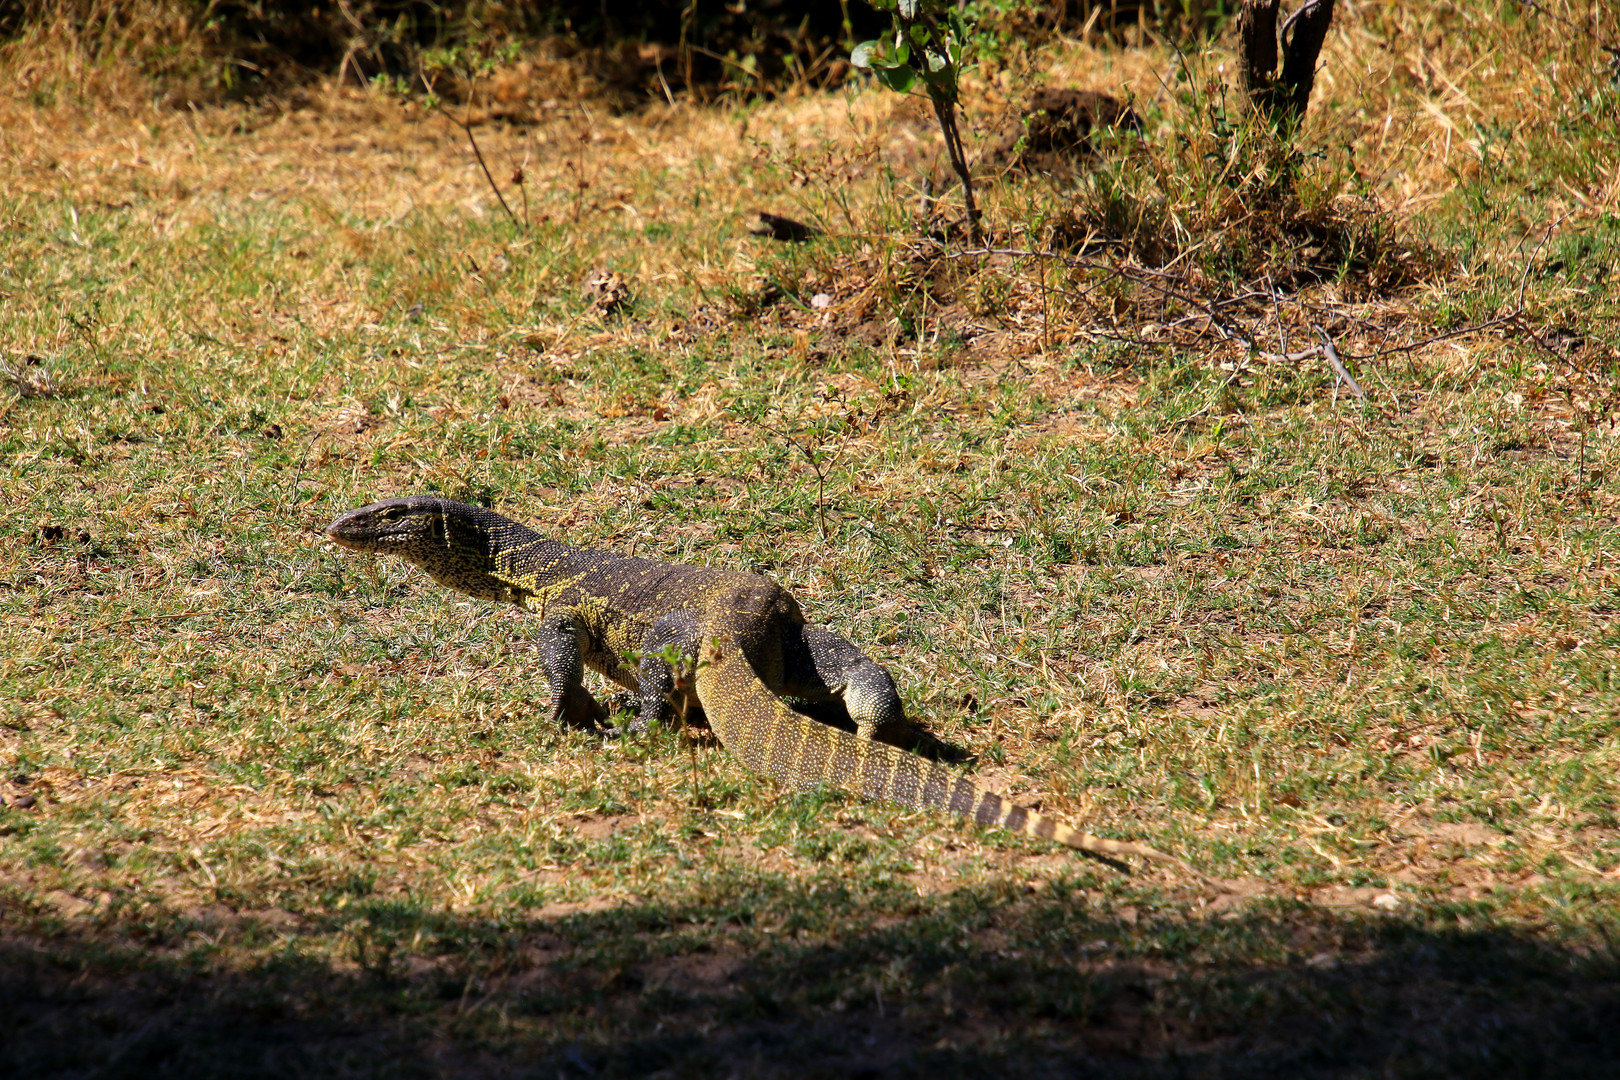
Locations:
{"points": [[874, 703], [822, 665]]}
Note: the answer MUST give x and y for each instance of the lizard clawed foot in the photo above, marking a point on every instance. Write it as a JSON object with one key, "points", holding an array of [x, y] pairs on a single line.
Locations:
{"points": [[625, 731], [621, 701], [576, 708]]}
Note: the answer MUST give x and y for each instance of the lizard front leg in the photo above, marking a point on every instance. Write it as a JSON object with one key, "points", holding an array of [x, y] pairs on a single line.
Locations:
{"points": [[662, 688], [563, 641]]}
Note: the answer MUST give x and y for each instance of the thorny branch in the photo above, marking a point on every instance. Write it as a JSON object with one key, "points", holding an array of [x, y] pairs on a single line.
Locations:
{"points": [[465, 124], [818, 465]]}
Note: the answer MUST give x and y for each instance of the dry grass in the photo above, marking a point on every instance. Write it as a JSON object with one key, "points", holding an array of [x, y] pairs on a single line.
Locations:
{"points": [[271, 808]]}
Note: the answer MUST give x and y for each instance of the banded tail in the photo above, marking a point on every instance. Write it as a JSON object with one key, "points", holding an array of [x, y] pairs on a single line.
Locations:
{"points": [[798, 753]]}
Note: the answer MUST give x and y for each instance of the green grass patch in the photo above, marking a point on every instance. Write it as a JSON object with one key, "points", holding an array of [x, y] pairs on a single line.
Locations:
{"points": [[272, 808]]}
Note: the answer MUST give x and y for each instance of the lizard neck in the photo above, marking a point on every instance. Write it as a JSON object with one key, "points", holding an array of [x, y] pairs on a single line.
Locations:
{"points": [[529, 562]]}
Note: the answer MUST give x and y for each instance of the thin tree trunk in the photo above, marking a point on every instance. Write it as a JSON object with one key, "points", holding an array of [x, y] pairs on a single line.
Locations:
{"points": [[1309, 26], [945, 112], [1257, 35], [1281, 97]]}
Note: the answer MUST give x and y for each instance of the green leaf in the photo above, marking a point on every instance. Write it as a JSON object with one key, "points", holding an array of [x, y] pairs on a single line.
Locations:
{"points": [[899, 79], [861, 55], [941, 84]]}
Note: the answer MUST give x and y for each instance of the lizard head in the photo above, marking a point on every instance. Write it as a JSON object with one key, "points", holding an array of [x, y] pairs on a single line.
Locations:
{"points": [[455, 543]]}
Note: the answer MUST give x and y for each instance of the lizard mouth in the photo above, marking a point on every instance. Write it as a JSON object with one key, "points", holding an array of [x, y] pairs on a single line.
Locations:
{"points": [[373, 528]]}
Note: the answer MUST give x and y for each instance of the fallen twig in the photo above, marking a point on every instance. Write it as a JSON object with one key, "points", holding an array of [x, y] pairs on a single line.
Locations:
{"points": [[1339, 369], [1209, 310], [1140, 275]]}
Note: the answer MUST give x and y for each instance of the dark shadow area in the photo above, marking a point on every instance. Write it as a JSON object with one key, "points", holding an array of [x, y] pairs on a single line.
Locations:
{"points": [[639, 52], [770, 978], [643, 49]]}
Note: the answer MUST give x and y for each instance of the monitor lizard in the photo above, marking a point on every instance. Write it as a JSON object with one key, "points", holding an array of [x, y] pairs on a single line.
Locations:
{"points": [[739, 644]]}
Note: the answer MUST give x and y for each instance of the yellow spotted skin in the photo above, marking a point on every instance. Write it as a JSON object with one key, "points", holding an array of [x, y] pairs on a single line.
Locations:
{"points": [[743, 634]]}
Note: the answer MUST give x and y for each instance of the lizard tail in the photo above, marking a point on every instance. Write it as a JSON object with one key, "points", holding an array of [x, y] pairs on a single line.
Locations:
{"points": [[799, 753]]}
